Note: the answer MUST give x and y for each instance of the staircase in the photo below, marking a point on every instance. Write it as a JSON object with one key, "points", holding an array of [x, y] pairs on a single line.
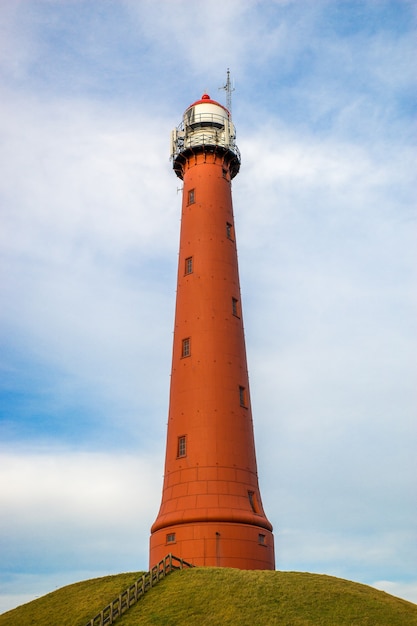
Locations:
{"points": [[137, 590]]}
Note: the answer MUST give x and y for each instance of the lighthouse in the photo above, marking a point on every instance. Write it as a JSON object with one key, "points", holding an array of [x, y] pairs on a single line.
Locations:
{"points": [[211, 511]]}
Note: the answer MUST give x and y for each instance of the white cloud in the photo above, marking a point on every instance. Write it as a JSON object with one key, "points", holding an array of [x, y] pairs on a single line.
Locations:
{"points": [[69, 516], [89, 508], [197, 32], [324, 209], [84, 197]]}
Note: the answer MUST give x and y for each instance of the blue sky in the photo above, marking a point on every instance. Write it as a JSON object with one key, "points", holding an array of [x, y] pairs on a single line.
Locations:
{"points": [[324, 106]]}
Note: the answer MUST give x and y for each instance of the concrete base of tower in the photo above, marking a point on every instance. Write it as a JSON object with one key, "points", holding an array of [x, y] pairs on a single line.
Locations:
{"points": [[216, 545]]}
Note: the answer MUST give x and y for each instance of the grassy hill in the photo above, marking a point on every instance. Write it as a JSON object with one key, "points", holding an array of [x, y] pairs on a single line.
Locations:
{"points": [[222, 597]]}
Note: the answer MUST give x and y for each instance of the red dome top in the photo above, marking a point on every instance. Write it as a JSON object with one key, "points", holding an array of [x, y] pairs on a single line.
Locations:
{"points": [[205, 99]]}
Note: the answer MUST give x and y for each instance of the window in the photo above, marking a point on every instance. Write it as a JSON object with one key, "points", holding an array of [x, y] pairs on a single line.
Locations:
{"points": [[191, 196], [262, 540], [225, 173], [189, 265], [242, 396], [171, 538], [186, 347], [253, 501], [182, 446], [235, 307], [229, 231]]}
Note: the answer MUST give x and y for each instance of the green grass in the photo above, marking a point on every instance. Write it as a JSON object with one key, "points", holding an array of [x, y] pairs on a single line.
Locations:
{"points": [[222, 597], [73, 605]]}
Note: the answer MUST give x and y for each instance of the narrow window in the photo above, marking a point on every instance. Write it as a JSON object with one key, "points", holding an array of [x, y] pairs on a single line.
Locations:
{"points": [[262, 540], [171, 538], [186, 348], [182, 446], [235, 307], [242, 396], [253, 501], [189, 265], [225, 173], [229, 231], [191, 196]]}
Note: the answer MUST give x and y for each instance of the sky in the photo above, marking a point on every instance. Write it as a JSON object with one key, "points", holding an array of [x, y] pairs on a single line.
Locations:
{"points": [[325, 214]]}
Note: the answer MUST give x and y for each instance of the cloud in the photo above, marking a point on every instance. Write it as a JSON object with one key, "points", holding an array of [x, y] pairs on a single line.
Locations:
{"points": [[61, 491], [196, 33], [83, 277], [325, 215], [325, 236], [70, 515]]}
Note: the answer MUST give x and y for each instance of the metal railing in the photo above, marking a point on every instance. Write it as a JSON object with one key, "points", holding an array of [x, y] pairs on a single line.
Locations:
{"points": [[204, 139], [204, 130], [137, 590]]}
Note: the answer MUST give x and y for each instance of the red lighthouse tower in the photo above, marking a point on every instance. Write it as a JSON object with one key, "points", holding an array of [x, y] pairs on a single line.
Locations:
{"points": [[211, 511]]}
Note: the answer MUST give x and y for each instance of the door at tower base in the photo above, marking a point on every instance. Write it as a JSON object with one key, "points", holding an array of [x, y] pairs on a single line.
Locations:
{"points": [[211, 544]]}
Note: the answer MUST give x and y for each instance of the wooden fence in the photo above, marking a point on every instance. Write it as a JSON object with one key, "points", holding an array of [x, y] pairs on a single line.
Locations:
{"points": [[132, 594]]}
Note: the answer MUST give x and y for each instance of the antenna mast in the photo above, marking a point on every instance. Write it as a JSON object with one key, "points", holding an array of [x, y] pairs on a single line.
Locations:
{"points": [[228, 89]]}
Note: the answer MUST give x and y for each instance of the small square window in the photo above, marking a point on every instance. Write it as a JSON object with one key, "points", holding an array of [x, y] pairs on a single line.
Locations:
{"points": [[171, 538], [189, 265], [229, 231], [191, 196], [253, 501], [242, 396], [235, 307], [182, 446], [186, 347], [262, 540]]}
